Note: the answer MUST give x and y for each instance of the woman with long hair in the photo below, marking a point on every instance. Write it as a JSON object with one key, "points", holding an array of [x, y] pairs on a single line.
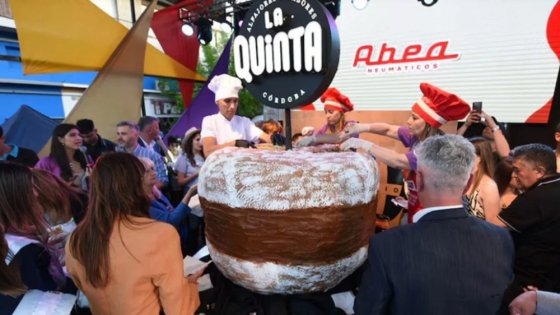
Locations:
{"points": [[482, 198], [65, 159], [189, 163], [63, 206], [11, 283], [121, 259], [60, 202], [508, 187], [28, 260], [429, 113]]}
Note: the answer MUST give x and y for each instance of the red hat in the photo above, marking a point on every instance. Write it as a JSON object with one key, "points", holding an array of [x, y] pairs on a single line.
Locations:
{"points": [[437, 107], [334, 100]]}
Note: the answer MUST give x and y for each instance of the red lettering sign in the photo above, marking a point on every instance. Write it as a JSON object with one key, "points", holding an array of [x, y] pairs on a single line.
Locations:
{"points": [[412, 53]]}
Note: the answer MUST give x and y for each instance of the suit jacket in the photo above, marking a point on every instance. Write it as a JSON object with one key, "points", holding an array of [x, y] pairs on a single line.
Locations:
{"points": [[446, 263], [146, 270]]}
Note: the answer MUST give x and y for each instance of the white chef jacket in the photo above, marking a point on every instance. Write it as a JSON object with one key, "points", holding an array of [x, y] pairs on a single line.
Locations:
{"points": [[224, 131]]}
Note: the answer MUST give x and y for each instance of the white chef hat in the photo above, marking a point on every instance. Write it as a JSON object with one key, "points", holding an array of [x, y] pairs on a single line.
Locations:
{"points": [[225, 86]]}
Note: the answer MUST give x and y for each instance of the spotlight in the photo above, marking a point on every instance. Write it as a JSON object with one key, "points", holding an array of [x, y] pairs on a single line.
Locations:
{"points": [[226, 27], [361, 4], [187, 29], [428, 3], [204, 30]]}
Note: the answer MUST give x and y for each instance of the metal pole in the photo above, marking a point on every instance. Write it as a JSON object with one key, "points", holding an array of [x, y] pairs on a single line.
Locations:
{"points": [[132, 11], [133, 20], [288, 122]]}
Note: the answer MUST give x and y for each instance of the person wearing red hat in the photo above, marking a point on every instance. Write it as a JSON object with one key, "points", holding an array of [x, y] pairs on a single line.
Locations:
{"points": [[336, 105], [429, 113]]}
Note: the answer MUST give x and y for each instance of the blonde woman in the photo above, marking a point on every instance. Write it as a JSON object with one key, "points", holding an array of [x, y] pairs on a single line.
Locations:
{"points": [[161, 208]]}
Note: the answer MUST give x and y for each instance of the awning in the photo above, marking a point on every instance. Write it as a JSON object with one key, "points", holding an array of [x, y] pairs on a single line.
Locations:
{"points": [[76, 35], [44, 99]]}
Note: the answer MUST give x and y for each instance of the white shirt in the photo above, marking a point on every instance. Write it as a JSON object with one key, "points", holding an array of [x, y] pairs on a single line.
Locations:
{"points": [[149, 146], [418, 215], [224, 131]]}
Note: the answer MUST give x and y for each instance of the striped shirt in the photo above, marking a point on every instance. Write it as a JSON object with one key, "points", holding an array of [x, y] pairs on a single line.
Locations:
{"points": [[161, 170]]}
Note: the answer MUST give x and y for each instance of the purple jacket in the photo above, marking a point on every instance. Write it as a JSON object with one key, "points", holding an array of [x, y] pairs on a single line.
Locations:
{"points": [[49, 164]]}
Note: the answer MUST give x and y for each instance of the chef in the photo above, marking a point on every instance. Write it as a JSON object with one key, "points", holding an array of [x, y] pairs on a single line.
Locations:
{"points": [[336, 105], [225, 129], [435, 108]]}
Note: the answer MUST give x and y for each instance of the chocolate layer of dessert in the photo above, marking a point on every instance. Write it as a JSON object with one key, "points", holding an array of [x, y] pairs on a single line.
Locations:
{"points": [[314, 235]]}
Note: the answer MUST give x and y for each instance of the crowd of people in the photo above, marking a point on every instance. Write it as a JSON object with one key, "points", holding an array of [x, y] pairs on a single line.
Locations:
{"points": [[112, 222]]}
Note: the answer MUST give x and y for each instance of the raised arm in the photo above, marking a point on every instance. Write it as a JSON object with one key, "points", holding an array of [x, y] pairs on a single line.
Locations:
{"points": [[502, 146], [383, 129], [391, 131], [332, 138], [473, 118], [389, 157]]}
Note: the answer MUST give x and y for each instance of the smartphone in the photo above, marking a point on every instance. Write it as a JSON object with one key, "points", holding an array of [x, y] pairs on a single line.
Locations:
{"points": [[477, 107]]}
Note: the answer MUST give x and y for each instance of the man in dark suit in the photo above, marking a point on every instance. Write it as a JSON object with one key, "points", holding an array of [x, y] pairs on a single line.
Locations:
{"points": [[446, 262], [150, 135], [13, 153]]}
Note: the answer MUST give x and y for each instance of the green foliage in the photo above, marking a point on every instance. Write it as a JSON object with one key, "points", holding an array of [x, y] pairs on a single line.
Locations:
{"points": [[248, 105]]}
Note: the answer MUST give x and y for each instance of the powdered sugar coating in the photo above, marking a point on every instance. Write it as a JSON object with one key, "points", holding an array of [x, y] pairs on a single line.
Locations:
{"points": [[282, 180], [270, 278]]}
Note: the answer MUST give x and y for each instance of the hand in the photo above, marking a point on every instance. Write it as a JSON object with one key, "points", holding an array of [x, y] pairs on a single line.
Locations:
{"points": [[77, 180], [193, 190], [306, 141], [354, 143], [278, 139], [473, 118], [525, 304], [356, 129], [190, 193], [307, 131], [488, 120], [343, 136], [193, 278], [242, 143]]}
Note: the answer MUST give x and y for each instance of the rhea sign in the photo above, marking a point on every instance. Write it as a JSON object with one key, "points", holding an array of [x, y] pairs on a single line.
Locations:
{"points": [[287, 51]]}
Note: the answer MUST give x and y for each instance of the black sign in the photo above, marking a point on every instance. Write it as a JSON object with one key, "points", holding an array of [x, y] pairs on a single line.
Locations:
{"points": [[287, 52]]}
